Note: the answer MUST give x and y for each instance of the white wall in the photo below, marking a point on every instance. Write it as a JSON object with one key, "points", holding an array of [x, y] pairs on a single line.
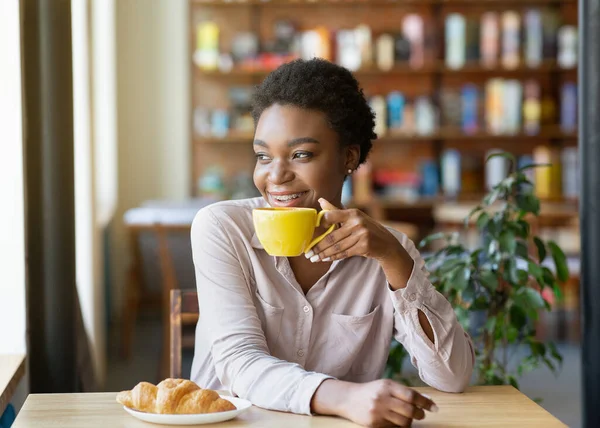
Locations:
{"points": [[153, 104], [94, 90], [12, 218]]}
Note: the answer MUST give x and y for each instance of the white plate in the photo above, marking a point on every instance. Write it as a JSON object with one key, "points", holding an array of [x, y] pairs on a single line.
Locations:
{"points": [[195, 419]]}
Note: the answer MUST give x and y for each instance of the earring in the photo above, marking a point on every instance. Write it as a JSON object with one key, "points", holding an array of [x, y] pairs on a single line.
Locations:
{"points": [[349, 171]]}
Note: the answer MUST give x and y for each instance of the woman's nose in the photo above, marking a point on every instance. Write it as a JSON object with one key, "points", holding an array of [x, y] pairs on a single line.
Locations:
{"points": [[279, 172]]}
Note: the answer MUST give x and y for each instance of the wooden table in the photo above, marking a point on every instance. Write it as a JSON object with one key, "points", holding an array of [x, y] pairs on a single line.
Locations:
{"points": [[12, 369], [485, 406]]}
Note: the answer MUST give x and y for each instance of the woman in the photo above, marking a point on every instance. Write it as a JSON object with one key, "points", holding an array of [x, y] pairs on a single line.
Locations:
{"points": [[312, 335]]}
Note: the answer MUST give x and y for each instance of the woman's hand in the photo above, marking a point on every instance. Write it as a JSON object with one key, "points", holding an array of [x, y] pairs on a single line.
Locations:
{"points": [[380, 403], [359, 235]]}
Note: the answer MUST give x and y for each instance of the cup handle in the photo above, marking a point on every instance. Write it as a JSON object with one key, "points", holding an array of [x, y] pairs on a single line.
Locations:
{"points": [[323, 235]]}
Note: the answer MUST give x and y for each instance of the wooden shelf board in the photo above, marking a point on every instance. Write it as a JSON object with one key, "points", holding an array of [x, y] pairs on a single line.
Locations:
{"points": [[400, 70], [549, 134], [562, 204], [454, 136], [548, 66]]}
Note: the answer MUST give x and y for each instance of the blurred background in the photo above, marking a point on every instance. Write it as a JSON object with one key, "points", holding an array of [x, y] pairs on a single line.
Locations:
{"points": [[161, 121]]}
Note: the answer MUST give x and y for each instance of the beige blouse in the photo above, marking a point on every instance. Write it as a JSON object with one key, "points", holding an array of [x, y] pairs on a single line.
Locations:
{"points": [[263, 339]]}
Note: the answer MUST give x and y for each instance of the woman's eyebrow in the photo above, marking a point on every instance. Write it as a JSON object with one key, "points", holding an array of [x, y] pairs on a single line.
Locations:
{"points": [[260, 143], [301, 140], [291, 143]]}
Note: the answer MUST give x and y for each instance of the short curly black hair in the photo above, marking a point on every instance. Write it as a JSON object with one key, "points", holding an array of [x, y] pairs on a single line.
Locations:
{"points": [[321, 85]]}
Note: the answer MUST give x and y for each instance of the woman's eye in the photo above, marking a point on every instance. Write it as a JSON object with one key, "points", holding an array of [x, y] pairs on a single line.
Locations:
{"points": [[261, 157], [302, 155]]}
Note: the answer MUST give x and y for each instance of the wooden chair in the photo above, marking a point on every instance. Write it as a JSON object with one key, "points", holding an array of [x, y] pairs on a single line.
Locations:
{"points": [[184, 311], [137, 295], [151, 227]]}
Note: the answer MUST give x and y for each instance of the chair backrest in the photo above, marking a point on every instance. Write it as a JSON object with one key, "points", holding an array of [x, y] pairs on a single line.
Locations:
{"points": [[184, 311]]}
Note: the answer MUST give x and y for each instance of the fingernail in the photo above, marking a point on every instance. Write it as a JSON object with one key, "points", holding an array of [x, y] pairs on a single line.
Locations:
{"points": [[327, 259], [309, 254], [314, 258], [434, 408]]}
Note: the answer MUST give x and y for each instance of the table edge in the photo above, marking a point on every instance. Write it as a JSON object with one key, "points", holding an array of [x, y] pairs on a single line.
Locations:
{"points": [[7, 393]]}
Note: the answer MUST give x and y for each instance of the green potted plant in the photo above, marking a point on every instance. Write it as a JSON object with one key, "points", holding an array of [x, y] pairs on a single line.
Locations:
{"points": [[500, 282]]}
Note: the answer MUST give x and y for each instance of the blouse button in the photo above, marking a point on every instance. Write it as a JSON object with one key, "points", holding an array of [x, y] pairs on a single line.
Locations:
{"points": [[412, 297], [301, 353], [306, 309]]}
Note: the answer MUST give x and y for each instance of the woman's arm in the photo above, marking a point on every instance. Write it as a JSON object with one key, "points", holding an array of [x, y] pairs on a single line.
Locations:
{"points": [[238, 346], [398, 270], [425, 322]]}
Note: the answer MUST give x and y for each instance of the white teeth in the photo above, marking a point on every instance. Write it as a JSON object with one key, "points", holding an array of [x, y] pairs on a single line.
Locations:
{"points": [[284, 198]]}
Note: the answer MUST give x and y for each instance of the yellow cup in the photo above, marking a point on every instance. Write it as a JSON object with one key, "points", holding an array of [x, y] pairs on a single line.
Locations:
{"points": [[288, 232]]}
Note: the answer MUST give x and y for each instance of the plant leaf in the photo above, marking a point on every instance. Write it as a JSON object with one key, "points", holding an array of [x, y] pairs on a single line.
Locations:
{"points": [[492, 196], [541, 248], [557, 292], [476, 257], [528, 203], [460, 280], [518, 318], [554, 352], [537, 272], [512, 333], [510, 271], [480, 303], [523, 228], [482, 220], [537, 348], [549, 364], [523, 276], [522, 179], [450, 264], [473, 211], [506, 155], [489, 280], [432, 237], [507, 240], [528, 298], [468, 295], [560, 261], [490, 325], [522, 250], [492, 247]]}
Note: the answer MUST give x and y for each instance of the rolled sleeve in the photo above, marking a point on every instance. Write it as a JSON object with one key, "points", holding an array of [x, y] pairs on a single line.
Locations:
{"points": [[307, 389], [447, 363]]}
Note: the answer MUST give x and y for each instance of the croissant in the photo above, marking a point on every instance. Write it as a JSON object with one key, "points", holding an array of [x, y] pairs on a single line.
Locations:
{"points": [[173, 396]]}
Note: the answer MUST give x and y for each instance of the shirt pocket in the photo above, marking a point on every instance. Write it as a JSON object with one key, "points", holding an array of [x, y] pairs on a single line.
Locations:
{"points": [[347, 337], [270, 320]]}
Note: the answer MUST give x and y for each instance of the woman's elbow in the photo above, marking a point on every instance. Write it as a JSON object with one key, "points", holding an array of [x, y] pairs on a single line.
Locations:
{"points": [[458, 384], [454, 381], [458, 374]]}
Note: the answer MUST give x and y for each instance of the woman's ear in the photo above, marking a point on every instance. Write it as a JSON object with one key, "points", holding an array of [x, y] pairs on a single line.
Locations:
{"points": [[352, 156]]}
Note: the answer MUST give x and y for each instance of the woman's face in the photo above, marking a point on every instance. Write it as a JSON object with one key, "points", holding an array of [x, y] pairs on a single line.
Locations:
{"points": [[299, 158]]}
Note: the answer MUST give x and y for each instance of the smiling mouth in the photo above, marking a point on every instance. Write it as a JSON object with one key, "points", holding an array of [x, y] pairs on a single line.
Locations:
{"points": [[287, 197]]}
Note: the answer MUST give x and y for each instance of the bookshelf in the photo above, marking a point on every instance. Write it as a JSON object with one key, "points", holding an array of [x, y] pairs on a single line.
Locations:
{"points": [[225, 87]]}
